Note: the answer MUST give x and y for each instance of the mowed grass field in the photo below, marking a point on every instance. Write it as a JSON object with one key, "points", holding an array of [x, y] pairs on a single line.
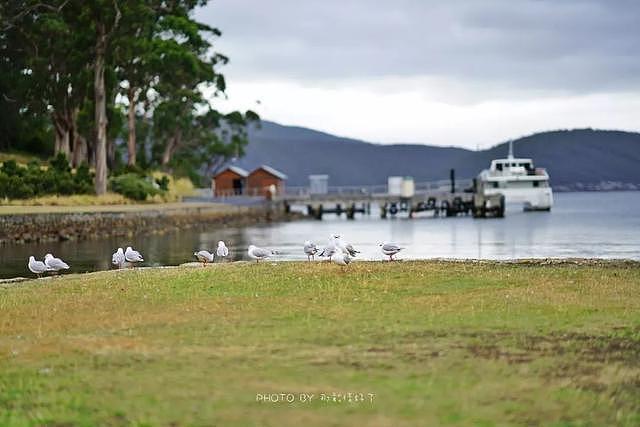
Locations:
{"points": [[426, 343]]}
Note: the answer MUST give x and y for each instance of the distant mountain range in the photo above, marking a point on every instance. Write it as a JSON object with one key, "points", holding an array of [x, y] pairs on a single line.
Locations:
{"points": [[581, 159]]}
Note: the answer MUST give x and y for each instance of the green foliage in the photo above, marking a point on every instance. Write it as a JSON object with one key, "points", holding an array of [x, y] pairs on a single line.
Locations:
{"points": [[159, 61], [60, 163], [163, 183], [20, 182], [133, 186]]}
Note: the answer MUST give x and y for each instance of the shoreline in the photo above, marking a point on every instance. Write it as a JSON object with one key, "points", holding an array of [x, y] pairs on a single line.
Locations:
{"points": [[57, 223], [520, 262]]}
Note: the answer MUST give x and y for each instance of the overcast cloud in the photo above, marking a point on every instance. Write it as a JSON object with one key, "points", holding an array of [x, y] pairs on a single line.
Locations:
{"points": [[466, 72]]}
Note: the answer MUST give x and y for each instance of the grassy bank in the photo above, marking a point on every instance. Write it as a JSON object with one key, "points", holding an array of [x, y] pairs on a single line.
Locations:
{"points": [[434, 343]]}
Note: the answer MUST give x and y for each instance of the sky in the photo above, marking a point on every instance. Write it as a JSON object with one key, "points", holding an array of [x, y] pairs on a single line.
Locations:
{"points": [[470, 73]]}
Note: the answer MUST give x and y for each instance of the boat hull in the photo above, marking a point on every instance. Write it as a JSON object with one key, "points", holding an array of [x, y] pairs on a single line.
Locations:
{"points": [[531, 199]]}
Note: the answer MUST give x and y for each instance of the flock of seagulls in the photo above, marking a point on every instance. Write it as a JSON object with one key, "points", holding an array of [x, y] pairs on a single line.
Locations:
{"points": [[336, 251], [341, 253], [50, 264], [206, 257], [120, 258]]}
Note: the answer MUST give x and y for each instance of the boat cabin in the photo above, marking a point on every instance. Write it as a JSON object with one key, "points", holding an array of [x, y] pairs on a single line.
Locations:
{"points": [[513, 166]]}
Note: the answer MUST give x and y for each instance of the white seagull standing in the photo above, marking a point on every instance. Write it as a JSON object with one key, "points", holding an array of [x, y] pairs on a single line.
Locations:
{"points": [[204, 257], [390, 249], [118, 258], [341, 259], [332, 248], [346, 248], [222, 250], [55, 264], [132, 256], [37, 267], [310, 250], [257, 253], [328, 251]]}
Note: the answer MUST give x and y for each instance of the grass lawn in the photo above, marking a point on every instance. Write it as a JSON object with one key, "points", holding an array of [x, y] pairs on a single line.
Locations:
{"points": [[426, 343]]}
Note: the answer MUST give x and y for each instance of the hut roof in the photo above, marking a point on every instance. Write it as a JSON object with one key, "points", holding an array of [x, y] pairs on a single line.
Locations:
{"points": [[272, 171], [235, 169]]}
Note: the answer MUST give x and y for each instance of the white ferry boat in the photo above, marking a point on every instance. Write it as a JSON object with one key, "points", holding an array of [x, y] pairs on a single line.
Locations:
{"points": [[518, 181]]}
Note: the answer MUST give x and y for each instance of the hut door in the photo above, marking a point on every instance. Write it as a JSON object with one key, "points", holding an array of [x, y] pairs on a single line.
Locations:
{"points": [[237, 186]]}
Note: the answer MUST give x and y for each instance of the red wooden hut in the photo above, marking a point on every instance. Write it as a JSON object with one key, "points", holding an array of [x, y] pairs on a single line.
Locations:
{"points": [[264, 179], [231, 181]]}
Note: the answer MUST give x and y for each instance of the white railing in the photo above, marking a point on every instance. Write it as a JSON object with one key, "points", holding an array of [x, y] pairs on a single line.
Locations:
{"points": [[341, 190], [244, 192], [367, 190]]}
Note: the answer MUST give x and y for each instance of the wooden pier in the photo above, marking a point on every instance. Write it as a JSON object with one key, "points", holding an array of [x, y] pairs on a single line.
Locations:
{"points": [[445, 198], [439, 198]]}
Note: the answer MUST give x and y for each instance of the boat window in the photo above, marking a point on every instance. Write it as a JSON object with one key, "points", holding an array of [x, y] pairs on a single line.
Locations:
{"points": [[536, 183], [495, 185], [499, 166]]}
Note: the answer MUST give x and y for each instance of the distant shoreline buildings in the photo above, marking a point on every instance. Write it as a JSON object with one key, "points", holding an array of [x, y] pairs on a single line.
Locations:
{"points": [[263, 181]]}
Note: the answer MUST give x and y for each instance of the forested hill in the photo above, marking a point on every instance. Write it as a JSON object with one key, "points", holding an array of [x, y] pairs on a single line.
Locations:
{"points": [[575, 159]]}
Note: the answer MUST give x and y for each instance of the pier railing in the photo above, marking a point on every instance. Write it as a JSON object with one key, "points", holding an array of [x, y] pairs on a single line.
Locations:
{"points": [[420, 188], [425, 188]]}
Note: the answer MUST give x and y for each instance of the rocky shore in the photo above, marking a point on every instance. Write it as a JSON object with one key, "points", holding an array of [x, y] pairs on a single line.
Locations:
{"points": [[90, 224]]}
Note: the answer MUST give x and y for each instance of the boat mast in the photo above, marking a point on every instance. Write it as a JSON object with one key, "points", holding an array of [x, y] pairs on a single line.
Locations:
{"points": [[511, 149]]}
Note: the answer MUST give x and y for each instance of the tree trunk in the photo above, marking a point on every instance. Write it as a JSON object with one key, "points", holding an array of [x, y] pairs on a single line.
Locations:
{"points": [[100, 112], [80, 151], [171, 147], [61, 130], [111, 154], [131, 141], [72, 119]]}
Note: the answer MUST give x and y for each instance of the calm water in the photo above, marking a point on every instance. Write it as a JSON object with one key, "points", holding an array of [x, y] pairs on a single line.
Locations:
{"points": [[592, 225]]}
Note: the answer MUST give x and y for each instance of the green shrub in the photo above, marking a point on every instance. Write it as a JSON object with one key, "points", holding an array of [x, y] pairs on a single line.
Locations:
{"points": [[19, 182], [133, 186], [11, 168], [59, 163], [83, 180], [163, 183], [14, 187]]}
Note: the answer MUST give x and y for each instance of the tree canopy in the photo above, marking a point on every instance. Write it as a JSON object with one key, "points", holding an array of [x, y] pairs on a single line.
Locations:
{"points": [[81, 78]]}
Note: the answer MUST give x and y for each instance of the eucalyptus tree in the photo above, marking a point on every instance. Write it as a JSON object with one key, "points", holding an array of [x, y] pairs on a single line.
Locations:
{"points": [[188, 65], [191, 131], [101, 18], [49, 56], [68, 57], [134, 61]]}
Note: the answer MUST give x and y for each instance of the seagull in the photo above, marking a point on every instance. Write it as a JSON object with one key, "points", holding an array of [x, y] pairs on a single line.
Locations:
{"points": [[118, 258], [222, 250], [257, 253], [390, 249], [37, 267], [328, 251], [341, 259], [55, 264], [132, 255], [310, 249], [352, 251], [345, 248], [204, 257]]}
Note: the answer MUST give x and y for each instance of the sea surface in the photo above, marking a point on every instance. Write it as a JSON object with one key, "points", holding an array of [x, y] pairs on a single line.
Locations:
{"points": [[584, 225]]}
